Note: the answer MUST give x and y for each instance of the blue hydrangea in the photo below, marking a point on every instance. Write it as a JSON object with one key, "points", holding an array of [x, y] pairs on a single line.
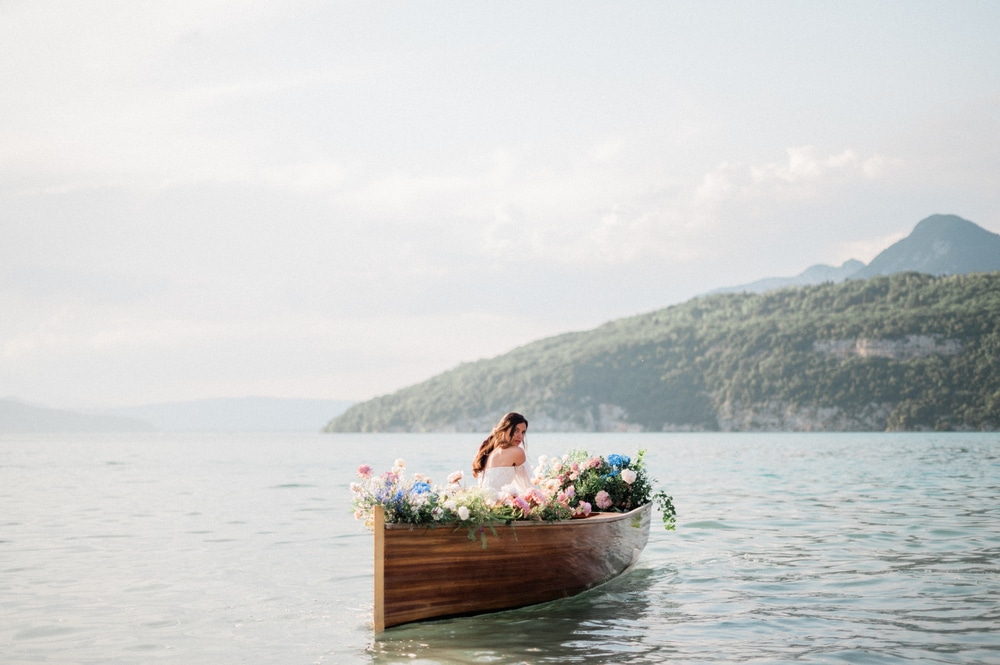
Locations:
{"points": [[618, 461], [420, 487]]}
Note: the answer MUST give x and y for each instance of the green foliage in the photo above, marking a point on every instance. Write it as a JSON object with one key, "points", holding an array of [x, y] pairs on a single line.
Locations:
{"points": [[689, 365], [665, 503], [608, 474]]}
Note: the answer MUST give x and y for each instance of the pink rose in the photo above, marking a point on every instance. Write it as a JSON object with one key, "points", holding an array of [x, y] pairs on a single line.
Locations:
{"points": [[628, 475], [594, 462], [583, 509], [537, 496], [522, 504], [455, 477], [603, 500], [365, 471]]}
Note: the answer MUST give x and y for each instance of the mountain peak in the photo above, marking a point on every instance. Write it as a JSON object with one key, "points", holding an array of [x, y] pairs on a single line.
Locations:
{"points": [[939, 245], [938, 224]]}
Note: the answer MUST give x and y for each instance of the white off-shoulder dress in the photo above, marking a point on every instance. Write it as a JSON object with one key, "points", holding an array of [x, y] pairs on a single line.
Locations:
{"points": [[498, 477]]}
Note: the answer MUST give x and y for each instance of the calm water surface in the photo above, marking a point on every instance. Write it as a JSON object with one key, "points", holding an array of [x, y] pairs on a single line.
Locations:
{"points": [[815, 548]]}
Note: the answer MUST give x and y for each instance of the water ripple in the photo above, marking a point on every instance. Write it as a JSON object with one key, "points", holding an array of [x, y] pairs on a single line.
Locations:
{"points": [[861, 548]]}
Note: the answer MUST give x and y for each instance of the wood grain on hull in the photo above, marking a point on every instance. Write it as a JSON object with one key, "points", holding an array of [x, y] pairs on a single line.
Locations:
{"points": [[424, 572]]}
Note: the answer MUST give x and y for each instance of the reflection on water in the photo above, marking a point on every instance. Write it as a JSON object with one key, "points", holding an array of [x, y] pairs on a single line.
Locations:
{"points": [[790, 548], [599, 626]]}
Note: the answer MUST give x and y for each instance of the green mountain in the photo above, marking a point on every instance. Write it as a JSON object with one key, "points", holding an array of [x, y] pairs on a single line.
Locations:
{"points": [[906, 351]]}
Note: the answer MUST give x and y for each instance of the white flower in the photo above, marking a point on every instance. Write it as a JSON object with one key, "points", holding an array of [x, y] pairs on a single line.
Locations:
{"points": [[463, 513], [455, 477], [450, 505], [543, 460], [509, 489], [628, 475], [400, 464]]}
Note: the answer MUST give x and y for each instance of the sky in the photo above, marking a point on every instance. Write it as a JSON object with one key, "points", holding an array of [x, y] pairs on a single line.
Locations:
{"points": [[335, 200]]}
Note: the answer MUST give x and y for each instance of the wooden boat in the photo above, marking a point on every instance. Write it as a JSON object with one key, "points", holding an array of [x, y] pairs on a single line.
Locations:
{"points": [[423, 572]]}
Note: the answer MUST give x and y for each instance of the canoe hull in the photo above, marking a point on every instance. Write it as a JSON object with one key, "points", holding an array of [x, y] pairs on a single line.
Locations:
{"points": [[424, 573]]}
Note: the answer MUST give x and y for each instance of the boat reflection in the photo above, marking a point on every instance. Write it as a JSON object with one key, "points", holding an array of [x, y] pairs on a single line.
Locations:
{"points": [[602, 625]]}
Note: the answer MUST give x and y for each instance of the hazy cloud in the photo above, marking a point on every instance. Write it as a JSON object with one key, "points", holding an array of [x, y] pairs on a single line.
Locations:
{"points": [[325, 200]]}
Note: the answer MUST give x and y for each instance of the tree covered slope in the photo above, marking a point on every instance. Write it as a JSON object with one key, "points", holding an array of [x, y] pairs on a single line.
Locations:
{"points": [[901, 352]]}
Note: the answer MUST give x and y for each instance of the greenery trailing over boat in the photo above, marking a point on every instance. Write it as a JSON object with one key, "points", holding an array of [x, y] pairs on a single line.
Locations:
{"points": [[902, 352]]}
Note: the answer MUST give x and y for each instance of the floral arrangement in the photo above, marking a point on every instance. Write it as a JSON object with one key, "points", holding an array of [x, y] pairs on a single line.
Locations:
{"points": [[615, 483], [612, 483], [416, 500], [574, 485]]}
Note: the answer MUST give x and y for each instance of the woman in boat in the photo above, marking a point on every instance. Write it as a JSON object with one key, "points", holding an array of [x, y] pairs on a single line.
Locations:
{"points": [[501, 461]]}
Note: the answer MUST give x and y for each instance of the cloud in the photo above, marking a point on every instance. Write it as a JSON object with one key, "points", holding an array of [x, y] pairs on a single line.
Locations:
{"points": [[222, 194], [746, 205], [805, 174], [596, 220]]}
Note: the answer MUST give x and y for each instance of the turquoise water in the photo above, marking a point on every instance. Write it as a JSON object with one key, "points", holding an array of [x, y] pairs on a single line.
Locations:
{"points": [[815, 548]]}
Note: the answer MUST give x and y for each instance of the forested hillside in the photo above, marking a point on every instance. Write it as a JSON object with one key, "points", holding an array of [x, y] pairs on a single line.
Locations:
{"points": [[901, 352]]}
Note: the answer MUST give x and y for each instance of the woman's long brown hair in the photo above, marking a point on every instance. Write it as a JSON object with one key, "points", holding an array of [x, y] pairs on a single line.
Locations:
{"points": [[500, 437]]}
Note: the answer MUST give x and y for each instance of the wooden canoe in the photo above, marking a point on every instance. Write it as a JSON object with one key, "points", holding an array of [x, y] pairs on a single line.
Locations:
{"points": [[423, 572]]}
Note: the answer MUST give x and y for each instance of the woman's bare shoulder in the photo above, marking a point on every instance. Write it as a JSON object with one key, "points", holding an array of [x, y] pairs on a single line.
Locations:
{"points": [[513, 456]]}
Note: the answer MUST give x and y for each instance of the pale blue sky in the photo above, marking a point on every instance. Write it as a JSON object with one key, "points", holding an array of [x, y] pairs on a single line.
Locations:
{"points": [[336, 200]]}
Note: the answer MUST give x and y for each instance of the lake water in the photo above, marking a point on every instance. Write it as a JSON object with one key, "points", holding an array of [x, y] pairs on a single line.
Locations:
{"points": [[806, 548]]}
